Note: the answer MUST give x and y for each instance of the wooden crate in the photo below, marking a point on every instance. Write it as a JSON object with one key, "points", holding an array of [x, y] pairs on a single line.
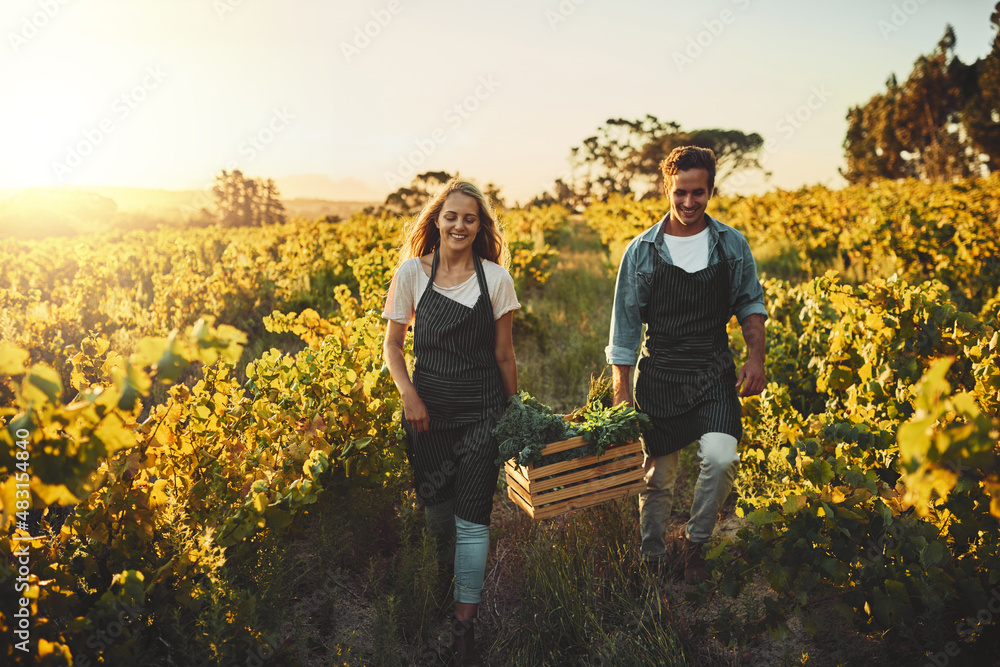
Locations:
{"points": [[554, 489]]}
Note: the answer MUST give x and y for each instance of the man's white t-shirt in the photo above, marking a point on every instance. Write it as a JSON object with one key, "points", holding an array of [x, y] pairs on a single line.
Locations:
{"points": [[689, 252], [410, 281]]}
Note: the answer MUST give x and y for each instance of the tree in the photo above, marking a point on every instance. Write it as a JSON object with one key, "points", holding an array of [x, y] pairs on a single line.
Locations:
{"points": [[872, 147], [942, 123], [246, 202], [982, 112], [409, 200], [928, 115], [624, 157]]}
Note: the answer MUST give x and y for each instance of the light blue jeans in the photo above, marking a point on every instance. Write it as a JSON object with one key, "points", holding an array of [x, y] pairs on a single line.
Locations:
{"points": [[717, 471], [472, 546]]}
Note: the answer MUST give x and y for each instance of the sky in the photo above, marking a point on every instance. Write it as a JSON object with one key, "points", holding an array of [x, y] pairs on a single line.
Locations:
{"points": [[165, 93]]}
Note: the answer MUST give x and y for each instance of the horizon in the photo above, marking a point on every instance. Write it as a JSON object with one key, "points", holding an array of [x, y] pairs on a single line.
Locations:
{"points": [[164, 96]]}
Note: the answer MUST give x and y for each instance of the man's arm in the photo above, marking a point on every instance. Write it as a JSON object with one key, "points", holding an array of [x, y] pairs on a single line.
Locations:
{"points": [[751, 375], [622, 384], [622, 351]]}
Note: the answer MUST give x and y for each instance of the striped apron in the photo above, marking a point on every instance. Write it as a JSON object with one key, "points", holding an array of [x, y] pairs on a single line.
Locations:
{"points": [[687, 377], [457, 378]]}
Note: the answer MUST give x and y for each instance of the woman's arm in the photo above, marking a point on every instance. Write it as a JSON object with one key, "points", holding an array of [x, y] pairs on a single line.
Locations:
{"points": [[504, 352], [416, 411]]}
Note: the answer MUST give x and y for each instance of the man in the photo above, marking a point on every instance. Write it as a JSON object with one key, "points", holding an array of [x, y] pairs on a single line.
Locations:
{"points": [[684, 278]]}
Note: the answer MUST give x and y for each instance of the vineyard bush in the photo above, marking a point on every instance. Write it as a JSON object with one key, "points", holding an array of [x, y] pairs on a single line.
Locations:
{"points": [[163, 494], [870, 463]]}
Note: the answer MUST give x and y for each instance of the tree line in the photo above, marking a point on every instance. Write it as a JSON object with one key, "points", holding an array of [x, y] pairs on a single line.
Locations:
{"points": [[942, 123]]}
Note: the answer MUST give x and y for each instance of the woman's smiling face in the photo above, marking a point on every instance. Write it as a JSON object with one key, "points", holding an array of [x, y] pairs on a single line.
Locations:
{"points": [[458, 221]]}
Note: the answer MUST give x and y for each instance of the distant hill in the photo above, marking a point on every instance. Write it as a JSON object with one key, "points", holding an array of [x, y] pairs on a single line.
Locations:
{"points": [[320, 186], [40, 212], [320, 208]]}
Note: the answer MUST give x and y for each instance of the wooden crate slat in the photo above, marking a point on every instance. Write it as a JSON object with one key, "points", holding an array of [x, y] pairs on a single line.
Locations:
{"points": [[563, 445], [520, 475], [578, 483], [515, 484], [556, 468], [586, 487], [529, 477], [606, 467], [555, 509], [520, 502]]}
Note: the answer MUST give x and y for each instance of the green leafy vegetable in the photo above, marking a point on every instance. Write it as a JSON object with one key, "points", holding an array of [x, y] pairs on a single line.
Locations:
{"points": [[527, 426]]}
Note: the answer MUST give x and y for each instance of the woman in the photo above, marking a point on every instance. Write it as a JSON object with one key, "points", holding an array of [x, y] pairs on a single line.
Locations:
{"points": [[451, 285]]}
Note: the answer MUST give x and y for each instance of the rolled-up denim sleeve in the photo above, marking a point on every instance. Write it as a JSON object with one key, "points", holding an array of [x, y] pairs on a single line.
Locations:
{"points": [[626, 322], [750, 297]]}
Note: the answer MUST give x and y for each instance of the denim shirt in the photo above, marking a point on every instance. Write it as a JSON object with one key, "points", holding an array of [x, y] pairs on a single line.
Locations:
{"points": [[635, 277]]}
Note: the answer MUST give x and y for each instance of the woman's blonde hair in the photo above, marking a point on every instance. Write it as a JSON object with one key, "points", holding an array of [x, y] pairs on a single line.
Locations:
{"points": [[422, 235]]}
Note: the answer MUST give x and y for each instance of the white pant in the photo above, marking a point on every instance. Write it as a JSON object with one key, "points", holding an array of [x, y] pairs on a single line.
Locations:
{"points": [[719, 462]]}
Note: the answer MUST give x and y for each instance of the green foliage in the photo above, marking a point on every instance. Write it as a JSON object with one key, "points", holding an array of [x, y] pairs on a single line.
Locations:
{"points": [[527, 426], [878, 495]]}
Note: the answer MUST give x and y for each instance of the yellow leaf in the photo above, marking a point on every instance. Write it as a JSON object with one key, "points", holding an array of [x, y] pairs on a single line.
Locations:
{"points": [[12, 359], [260, 502], [158, 495], [53, 494], [114, 435], [865, 372], [966, 404], [42, 385], [149, 350], [47, 648], [8, 498]]}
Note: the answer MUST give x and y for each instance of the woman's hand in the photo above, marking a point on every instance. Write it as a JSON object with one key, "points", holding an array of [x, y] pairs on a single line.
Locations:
{"points": [[416, 413], [413, 407]]}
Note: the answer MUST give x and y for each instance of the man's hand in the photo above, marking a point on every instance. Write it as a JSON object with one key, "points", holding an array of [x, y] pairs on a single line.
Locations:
{"points": [[751, 376]]}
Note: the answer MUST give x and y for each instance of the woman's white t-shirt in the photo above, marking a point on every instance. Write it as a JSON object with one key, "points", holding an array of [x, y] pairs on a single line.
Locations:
{"points": [[410, 281]]}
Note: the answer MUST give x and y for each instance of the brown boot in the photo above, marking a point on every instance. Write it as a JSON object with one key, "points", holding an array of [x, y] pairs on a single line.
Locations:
{"points": [[464, 644], [694, 563]]}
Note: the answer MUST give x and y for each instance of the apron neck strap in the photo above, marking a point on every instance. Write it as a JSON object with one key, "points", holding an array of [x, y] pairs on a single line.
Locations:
{"points": [[434, 266], [480, 273]]}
